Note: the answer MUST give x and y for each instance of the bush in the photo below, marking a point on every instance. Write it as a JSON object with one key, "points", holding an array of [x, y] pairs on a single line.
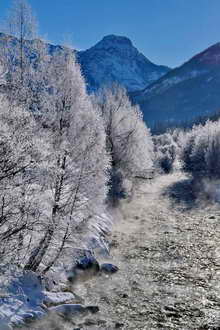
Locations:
{"points": [[200, 153], [166, 148]]}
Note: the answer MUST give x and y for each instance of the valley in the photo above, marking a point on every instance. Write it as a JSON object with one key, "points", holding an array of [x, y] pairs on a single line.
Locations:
{"points": [[109, 166]]}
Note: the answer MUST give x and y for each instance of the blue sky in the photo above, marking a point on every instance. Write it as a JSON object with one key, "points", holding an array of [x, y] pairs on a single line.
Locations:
{"points": [[166, 31]]}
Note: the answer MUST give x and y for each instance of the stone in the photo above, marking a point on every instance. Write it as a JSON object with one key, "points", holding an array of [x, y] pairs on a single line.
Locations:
{"points": [[84, 269], [69, 311], [57, 298], [109, 268]]}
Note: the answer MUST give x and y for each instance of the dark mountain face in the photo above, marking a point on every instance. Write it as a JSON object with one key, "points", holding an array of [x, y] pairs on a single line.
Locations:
{"points": [[115, 59], [185, 92]]}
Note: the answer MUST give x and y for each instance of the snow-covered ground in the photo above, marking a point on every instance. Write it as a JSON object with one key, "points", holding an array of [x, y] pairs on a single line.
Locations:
{"points": [[20, 300], [26, 304]]}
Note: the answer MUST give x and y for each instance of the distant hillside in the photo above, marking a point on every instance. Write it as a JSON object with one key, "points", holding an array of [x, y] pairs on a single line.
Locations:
{"points": [[186, 92]]}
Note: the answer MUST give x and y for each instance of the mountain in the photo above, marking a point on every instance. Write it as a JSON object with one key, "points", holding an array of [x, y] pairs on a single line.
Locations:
{"points": [[186, 92], [115, 59], [112, 60]]}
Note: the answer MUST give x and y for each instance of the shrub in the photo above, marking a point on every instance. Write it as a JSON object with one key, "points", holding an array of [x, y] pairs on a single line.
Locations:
{"points": [[200, 153], [166, 148]]}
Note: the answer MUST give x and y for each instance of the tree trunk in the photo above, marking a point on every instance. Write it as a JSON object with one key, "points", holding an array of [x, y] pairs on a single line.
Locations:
{"points": [[39, 252]]}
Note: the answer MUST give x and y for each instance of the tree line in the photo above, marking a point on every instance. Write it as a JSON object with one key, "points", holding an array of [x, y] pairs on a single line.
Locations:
{"points": [[60, 149]]}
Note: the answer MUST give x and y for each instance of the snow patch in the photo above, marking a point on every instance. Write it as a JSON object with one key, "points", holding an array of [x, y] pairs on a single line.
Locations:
{"points": [[22, 301], [57, 298]]}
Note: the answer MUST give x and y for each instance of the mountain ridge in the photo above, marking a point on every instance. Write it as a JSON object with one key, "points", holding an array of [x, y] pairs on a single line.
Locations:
{"points": [[185, 92], [164, 94], [113, 59]]}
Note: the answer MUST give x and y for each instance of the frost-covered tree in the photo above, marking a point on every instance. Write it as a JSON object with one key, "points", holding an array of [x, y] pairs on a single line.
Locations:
{"points": [[53, 160], [166, 147], [21, 24], [200, 152], [75, 169], [23, 93], [129, 141], [19, 158], [24, 58]]}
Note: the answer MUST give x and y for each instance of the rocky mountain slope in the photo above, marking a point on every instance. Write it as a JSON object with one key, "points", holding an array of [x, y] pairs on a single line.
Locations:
{"points": [[115, 59], [188, 91]]}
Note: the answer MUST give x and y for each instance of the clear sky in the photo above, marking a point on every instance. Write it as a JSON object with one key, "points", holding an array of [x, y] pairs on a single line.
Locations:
{"points": [[166, 31]]}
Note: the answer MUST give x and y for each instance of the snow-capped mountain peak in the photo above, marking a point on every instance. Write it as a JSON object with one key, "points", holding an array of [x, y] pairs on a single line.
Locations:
{"points": [[113, 41], [115, 59]]}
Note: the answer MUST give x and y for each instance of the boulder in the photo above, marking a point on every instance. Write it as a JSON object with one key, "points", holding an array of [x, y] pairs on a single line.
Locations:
{"points": [[109, 268], [84, 269], [57, 298], [69, 311]]}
